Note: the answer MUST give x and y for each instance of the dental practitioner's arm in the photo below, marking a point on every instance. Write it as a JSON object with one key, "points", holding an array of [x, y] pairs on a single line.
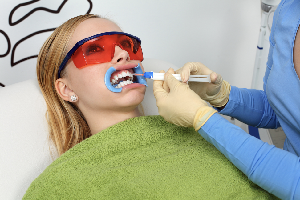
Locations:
{"points": [[239, 103], [275, 170]]}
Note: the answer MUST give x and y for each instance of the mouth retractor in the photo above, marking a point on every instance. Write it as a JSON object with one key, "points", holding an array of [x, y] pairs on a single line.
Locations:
{"points": [[137, 69], [140, 79]]}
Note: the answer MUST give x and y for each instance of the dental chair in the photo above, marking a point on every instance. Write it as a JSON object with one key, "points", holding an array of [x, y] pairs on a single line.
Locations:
{"points": [[24, 143]]}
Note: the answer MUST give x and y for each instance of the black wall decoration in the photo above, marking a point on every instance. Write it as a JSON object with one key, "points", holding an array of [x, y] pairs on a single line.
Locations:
{"points": [[13, 63]]}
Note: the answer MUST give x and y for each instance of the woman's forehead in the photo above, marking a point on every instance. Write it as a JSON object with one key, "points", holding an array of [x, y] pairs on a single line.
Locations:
{"points": [[91, 27]]}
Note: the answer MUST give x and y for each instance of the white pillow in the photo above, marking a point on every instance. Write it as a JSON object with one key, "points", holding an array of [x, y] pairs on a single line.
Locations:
{"points": [[24, 147], [24, 152]]}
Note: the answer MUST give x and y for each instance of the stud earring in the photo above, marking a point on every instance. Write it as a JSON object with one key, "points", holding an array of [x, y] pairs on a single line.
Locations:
{"points": [[73, 98]]}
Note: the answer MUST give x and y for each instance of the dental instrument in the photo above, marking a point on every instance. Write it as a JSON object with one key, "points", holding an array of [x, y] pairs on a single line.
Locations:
{"points": [[160, 76]]}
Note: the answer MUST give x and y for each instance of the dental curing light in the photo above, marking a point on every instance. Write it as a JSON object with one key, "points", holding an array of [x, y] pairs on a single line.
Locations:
{"points": [[160, 76]]}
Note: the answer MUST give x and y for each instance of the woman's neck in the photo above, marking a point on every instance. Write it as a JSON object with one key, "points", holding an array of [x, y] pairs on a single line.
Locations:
{"points": [[100, 121]]}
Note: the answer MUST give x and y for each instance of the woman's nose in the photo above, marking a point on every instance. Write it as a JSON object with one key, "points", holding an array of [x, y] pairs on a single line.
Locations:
{"points": [[120, 55]]}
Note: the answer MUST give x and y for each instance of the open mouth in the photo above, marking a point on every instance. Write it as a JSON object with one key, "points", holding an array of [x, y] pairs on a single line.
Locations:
{"points": [[115, 79], [121, 78]]}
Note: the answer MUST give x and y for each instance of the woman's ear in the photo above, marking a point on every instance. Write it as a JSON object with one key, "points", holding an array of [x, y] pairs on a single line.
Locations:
{"points": [[61, 86]]}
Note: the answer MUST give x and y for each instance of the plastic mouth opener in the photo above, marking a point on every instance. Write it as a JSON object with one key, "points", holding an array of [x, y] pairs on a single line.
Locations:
{"points": [[137, 69]]}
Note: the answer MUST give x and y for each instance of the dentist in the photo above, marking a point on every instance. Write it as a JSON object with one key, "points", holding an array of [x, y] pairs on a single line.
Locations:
{"points": [[275, 170]]}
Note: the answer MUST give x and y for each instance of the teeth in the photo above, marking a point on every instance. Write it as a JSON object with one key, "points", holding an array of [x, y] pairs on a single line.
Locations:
{"points": [[128, 82], [123, 83], [122, 75]]}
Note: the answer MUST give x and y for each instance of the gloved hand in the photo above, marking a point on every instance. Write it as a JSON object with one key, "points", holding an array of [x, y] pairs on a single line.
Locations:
{"points": [[216, 92], [178, 104]]}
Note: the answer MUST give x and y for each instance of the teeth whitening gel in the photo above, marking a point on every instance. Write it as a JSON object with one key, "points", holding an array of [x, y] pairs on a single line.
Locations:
{"points": [[160, 77]]}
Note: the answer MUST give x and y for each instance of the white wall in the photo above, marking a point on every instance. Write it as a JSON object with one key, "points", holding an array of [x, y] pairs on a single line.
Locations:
{"points": [[221, 34]]}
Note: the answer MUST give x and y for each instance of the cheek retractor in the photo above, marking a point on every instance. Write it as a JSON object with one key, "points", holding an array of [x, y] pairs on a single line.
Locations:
{"points": [[107, 80], [137, 69], [140, 79]]}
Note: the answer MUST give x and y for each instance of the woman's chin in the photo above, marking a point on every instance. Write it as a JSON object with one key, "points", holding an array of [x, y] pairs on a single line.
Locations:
{"points": [[131, 97], [134, 100]]}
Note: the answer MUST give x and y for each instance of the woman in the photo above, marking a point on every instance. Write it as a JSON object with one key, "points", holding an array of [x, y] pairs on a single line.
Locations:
{"points": [[107, 149], [72, 121], [275, 170]]}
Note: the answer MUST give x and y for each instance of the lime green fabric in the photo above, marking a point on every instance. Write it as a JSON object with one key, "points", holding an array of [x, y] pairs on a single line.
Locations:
{"points": [[144, 158]]}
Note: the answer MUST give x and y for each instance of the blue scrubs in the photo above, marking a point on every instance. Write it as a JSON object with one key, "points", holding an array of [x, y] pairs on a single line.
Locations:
{"points": [[275, 170]]}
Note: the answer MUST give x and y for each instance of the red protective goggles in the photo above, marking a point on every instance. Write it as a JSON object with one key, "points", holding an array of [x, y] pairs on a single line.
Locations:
{"points": [[100, 48]]}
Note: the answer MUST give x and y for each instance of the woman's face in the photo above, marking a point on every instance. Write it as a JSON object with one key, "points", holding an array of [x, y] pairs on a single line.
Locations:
{"points": [[88, 83]]}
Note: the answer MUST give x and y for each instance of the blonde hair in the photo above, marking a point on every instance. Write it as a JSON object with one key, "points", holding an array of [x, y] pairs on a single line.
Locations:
{"points": [[67, 125]]}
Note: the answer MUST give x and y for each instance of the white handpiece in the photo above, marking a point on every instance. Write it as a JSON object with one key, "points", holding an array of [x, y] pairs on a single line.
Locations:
{"points": [[160, 76], [193, 78]]}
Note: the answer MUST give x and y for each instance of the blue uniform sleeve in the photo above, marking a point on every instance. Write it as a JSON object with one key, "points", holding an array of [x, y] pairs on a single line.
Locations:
{"points": [[249, 102], [273, 169]]}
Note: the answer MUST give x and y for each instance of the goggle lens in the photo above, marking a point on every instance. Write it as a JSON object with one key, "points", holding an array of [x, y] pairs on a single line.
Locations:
{"points": [[102, 49]]}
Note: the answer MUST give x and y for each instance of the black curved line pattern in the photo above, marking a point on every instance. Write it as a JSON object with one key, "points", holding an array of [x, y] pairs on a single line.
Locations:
{"points": [[12, 63], [91, 6], [8, 44], [32, 11], [37, 9], [35, 33], [2, 85]]}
